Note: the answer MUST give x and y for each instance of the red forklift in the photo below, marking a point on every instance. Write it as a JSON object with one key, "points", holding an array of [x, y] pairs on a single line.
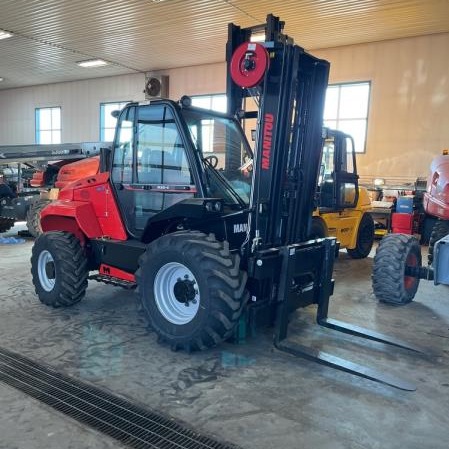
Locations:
{"points": [[211, 246]]}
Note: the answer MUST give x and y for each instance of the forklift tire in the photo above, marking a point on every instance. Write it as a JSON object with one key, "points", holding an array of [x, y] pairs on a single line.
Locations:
{"points": [[440, 230], [59, 269], [318, 229], [34, 217], [6, 224], [191, 289], [394, 253], [365, 238]]}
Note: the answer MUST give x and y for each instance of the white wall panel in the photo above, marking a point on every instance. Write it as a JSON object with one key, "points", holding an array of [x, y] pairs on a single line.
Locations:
{"points": [[409, 110], [79, 100]]}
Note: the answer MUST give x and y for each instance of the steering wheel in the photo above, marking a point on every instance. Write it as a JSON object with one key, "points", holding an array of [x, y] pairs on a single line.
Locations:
{"points": [[213, 160]]}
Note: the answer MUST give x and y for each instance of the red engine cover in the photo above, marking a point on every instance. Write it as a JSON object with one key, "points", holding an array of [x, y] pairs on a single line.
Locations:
{"points": [[91, 203]]}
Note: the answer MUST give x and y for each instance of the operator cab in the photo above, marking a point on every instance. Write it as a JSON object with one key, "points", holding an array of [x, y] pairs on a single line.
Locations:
{"points": [[166, 153], [338, 180]]}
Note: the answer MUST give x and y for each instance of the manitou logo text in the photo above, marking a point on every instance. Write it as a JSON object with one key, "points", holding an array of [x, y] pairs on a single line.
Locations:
{"points": [[240, 227], [267, 139]]}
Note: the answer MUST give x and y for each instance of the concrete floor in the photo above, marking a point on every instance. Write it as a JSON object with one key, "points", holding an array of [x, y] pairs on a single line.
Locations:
{"points": [[250, 395]]}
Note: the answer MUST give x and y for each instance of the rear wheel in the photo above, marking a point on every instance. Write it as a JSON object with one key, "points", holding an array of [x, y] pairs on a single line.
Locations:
{"points": [[191, 289], [34, 217], [59, 269], [440, 230], [6, 224], [365, 238], [394, 253]]}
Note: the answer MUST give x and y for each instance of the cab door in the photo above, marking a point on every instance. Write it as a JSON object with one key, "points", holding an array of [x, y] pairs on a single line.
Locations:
{"points": [[346, 177], [151, 170]]}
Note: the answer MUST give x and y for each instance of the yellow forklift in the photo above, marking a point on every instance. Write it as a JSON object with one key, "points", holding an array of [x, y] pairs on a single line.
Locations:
{"points": [[343, 206]]}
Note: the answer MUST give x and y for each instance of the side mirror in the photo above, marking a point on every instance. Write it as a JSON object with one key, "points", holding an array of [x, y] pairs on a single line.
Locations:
{"points": [[105, 159], [115, 113]]}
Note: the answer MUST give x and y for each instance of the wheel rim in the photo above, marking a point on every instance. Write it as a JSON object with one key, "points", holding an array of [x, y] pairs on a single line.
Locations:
{"points": [[410, 281], [46, 271], [176, 293]]}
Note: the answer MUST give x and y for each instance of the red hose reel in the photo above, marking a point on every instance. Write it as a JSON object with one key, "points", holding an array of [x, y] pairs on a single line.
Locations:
{"points": [[249, 63]]}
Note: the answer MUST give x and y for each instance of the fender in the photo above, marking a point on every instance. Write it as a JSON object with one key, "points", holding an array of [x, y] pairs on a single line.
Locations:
{"points": [[364, 201], [70, 216], [90, 204]]}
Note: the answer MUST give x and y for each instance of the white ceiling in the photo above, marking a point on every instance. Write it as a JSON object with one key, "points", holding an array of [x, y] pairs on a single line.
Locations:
{"points": [[50, 36]]}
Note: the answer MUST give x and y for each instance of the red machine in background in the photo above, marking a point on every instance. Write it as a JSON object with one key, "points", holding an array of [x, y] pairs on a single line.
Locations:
{"points": [[398, 261], [436, 199], [31, 172]]}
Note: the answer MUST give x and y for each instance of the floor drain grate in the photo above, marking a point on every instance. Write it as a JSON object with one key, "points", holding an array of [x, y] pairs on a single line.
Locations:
{"points": [[123, 420]]}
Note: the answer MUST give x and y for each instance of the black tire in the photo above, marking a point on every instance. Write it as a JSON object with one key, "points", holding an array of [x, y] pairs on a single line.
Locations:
{"points": [[34, 217], [365, 238], [318, 229], [6, 224], [440, 230], [426, 228], [394, 253], [59, 269], [216, 286]]}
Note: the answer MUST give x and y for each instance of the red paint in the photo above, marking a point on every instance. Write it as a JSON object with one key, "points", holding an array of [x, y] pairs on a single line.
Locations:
{"points": [[91, 203], [77, 170], [62, 223], [249, 63], [38, 179], [267, 137], [108, 270], [410, 281]]}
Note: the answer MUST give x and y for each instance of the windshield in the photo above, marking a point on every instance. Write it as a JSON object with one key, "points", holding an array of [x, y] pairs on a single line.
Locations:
{"points": [[225, 153]]}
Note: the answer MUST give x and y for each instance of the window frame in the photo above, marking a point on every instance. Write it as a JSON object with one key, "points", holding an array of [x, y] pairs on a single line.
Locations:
{"points": [[38, 130], [338, 120], [208, 148], [211, 98], [102, 117]]}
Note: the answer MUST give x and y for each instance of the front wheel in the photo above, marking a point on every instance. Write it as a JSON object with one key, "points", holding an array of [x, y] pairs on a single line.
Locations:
{"points": [[59, 269], [318, 229], [191, 289], [365, 238], [394, 254]]}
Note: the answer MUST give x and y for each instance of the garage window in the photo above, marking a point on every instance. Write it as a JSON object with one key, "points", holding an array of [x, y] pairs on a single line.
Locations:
{"points": [[48, 125], [346, 109], [107, 122], [215, 103]]}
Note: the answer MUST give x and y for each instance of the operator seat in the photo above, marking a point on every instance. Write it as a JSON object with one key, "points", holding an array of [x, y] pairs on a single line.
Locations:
{"points": [[327, 192]]}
